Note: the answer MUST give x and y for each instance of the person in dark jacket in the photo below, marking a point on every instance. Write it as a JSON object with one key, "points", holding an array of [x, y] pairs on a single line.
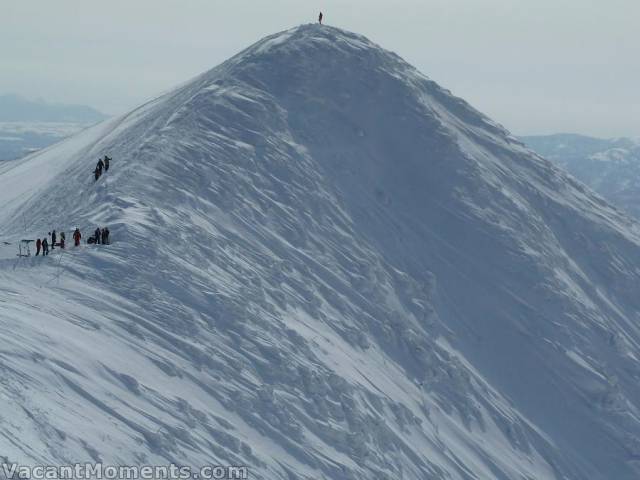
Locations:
{"points": [[45, 247], [320, 17], [38, 246], [62, 239], [96, 236], [96, 174], [106, 235], [53, 240], [100, 166], [76, 237], [106, 163]]}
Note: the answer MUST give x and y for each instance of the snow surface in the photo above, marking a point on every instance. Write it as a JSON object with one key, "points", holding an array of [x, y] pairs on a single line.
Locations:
{"points": [[324, 266]]}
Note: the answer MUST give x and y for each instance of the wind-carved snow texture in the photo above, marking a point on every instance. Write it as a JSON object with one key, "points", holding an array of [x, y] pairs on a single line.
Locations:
{"points": [[323, 266]]}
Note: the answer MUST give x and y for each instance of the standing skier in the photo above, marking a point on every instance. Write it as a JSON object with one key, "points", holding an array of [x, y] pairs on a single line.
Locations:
{"points": [[320, 17], [62, 239], [45, 247], [53, 240], [106, 164], [96, 236], [100, 166], [38, 246], [76, 237], [96, 174]]}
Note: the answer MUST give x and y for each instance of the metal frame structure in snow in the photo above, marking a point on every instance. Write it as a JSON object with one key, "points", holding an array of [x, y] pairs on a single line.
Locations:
{"points": [[24, 245]]}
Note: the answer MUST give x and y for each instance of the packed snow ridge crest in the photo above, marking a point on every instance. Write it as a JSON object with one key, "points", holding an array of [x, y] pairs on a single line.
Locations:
{"points": [[323, 266]]}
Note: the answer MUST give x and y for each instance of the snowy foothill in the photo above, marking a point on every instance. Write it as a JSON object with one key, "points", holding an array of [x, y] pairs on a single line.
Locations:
{"points": [[324, 266]]}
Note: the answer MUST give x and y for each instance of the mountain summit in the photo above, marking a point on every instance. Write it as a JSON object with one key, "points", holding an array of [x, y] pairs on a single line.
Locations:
{"points": [[324, 266]]}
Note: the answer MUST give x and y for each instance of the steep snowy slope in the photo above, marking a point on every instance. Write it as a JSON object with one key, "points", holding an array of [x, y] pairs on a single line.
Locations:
{"points": [[610, 167], [324, 266]]}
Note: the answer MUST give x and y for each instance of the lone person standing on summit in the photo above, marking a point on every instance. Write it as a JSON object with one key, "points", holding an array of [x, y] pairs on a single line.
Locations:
{"points": [[320, 18]]}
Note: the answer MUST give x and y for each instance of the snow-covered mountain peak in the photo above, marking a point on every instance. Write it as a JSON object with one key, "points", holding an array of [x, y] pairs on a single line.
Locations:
{"points": [[324, 265]]}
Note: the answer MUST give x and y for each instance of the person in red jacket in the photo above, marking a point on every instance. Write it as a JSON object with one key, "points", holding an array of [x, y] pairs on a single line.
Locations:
{"points": [[76, 237], [38, 246]]}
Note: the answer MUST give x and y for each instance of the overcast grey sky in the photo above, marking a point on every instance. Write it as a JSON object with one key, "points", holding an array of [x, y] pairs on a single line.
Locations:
{"points": [[536, 66]]}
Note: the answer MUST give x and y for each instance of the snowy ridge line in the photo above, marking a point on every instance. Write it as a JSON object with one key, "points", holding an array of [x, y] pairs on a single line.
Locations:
{"points": [[325, 266]]}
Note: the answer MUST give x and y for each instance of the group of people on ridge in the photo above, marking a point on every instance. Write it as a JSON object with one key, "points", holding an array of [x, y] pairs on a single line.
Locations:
{"points": [[100, 236], [43, 244], [102, 164]]}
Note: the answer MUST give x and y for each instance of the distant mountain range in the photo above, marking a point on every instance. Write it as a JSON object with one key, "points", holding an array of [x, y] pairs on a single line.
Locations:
{"points": [[27, 126], [609, 166], [14, 108]]}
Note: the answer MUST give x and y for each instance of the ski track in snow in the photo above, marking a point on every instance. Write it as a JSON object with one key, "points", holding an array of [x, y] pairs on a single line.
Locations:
{"points": [[323, 265]]}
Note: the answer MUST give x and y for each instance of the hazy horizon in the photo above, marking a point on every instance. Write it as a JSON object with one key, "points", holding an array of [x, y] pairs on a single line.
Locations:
{"points": [[544, 69]]}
